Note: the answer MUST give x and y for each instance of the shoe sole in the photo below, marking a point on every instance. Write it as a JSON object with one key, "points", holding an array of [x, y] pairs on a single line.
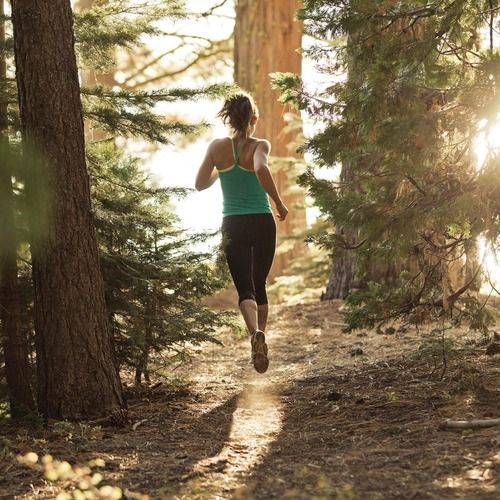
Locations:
{"points": [[260, 360]]}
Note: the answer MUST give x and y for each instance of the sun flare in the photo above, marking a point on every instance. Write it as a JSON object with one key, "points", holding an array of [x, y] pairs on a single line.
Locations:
{"points": [[488, 143]]}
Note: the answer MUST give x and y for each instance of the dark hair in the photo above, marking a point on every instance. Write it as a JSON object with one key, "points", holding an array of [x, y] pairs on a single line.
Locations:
{"points": [[238, 110]]}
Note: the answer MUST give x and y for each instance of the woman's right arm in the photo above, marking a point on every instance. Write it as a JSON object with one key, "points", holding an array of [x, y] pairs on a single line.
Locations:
{"points": [[260, 160], [207, 173]]}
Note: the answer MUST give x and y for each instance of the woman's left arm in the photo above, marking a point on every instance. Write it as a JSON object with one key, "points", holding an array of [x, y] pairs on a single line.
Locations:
{"points": [[207, 173]]}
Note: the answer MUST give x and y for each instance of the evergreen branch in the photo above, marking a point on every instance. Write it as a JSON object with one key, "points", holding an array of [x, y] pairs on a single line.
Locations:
{"points": [[189, 36], [456, 295], [146, 66], [414, 182], [139, 124], [447, 246], [149, 98], [204, 53], [107, 25], [124, 112], [212, 9], [175, 8], [175, 191]]}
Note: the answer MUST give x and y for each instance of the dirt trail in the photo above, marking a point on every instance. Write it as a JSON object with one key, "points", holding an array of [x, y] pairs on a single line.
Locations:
{"points": [[336, 416]]}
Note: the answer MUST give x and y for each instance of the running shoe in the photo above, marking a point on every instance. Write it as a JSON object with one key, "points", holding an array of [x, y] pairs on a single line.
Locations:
{"points": [[259, 351]]}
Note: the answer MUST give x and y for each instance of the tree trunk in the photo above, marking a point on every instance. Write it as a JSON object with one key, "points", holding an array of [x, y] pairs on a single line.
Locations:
{"points": [[267, 39], [142, 366], [77, 375], [14, 344], [342, 276], [343, 279]]}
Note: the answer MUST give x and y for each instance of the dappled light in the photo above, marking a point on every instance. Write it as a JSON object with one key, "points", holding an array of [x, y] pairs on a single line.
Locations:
{"points": [[255, 424], [476, 477], [487, 142], [249, 249]]}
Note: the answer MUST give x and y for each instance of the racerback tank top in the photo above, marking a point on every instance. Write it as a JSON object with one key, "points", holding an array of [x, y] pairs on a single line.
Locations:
{"points": [[242, 192]]}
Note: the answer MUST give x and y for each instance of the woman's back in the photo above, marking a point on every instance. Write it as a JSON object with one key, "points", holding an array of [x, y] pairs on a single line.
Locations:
{"points": [[223, 154], [242, 192]]}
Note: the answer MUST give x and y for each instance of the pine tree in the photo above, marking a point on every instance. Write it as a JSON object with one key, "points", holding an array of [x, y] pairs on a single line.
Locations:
{"points": [[155, 266], [154, 279], [77, 375], [407, 128]]}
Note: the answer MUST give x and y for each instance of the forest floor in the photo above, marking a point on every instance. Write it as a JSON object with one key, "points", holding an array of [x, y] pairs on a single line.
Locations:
{"points": [[337, 416]]}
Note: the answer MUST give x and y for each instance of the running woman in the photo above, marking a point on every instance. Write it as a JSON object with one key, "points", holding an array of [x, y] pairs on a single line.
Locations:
{"points": [[248, 226]]}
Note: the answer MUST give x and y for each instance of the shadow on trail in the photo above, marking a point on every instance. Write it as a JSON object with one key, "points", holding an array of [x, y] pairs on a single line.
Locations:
{"points": [[183, 439], [371, 431], [256, 420]]}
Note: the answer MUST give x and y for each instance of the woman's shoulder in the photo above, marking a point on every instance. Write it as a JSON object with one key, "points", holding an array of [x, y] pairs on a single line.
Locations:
{"points": [[218, 141], [262, 143]]}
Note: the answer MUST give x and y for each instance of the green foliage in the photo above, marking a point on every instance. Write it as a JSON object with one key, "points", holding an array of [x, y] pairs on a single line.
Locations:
{"points": [[99, 31], [412, 86], [154, 279], [131, 113], [438, 351], [290, 84], [108, 25], [4, 413], [435, 346]]}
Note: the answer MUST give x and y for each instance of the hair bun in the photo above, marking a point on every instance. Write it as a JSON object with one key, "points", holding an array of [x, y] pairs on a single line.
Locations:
{"points": [[238, 110]]}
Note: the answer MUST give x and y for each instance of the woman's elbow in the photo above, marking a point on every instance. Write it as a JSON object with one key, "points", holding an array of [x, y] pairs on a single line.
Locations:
{"points": [[260, 168], [199, 185]]}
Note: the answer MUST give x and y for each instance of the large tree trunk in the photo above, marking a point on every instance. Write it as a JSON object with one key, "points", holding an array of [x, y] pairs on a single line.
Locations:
{"points": [[267, 39], [343, 278], [77, 375], [14, 344]]}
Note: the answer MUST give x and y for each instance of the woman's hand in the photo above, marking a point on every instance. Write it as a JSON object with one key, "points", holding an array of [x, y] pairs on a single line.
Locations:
{"points": [[282, 211]]}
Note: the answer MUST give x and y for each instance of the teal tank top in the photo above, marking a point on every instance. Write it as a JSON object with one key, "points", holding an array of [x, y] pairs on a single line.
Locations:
{"points": [[242, 192]]}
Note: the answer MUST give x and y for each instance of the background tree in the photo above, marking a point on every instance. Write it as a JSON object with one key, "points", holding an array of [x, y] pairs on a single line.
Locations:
{"points": [[408, 133], [345, 276], [267, 38], [154, 278]]}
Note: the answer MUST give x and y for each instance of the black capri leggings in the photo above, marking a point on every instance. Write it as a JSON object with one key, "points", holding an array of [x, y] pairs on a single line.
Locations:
{"points": [[249, 242]]}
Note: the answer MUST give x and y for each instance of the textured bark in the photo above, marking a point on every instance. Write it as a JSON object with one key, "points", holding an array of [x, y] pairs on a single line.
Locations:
{"points": [[342, 279], [267, 39], [15, 345], [77, 375]]}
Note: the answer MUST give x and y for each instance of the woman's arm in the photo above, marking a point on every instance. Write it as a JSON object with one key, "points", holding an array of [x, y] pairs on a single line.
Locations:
{"points": [[260, 158], [207, 173]]}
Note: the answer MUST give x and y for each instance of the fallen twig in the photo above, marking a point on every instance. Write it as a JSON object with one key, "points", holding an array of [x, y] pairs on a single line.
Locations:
{"points": [[134, 427], [469, 424]]}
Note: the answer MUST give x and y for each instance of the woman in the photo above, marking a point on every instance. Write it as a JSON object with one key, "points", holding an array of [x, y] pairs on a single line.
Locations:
{"points": [[248, 226]]}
